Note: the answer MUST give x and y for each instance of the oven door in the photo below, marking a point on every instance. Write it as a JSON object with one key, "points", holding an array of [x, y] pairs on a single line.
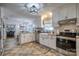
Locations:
{"points": [[60, 43], [71, 46]]}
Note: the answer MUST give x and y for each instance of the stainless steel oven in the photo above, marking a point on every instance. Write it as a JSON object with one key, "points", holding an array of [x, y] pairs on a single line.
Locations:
{"points": [[65, 43]]}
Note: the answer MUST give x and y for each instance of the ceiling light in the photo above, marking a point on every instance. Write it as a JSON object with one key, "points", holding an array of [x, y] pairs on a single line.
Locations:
{"points": [[44, 17], [33, 8], [50, 13]]}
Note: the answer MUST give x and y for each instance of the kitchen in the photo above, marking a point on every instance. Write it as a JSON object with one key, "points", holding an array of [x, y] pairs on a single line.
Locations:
{"points": [[41, 29]]}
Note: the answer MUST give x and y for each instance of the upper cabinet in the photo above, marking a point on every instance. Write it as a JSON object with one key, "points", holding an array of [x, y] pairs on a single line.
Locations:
{"points": [[77, 14], [71, 12], [78, 11], [63, 13], [67, 11]]}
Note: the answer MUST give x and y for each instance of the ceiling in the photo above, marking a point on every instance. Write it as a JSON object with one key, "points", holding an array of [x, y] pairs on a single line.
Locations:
{"points": [[20, 9]]}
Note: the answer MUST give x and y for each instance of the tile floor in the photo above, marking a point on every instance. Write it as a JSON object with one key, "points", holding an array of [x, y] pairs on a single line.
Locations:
{"points": [[31, 49]]}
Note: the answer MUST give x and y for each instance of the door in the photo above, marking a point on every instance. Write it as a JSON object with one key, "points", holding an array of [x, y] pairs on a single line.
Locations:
{"points": [[6, 43]]}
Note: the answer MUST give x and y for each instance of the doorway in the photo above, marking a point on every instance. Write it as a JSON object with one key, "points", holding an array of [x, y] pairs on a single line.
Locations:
{"points": [[8, 38]]}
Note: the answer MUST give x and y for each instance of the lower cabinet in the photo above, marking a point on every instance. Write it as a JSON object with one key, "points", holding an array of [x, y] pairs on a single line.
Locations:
{"points": [[52, 43], [27, 37], [47, 40], [77, 45]]}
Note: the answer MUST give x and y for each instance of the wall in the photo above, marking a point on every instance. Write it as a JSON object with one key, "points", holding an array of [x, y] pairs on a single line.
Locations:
{"points": [[9, 14], [11, 17]]}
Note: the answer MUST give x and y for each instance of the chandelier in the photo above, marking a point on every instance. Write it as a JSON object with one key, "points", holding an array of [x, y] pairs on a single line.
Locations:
{"points": [[33, 8]]}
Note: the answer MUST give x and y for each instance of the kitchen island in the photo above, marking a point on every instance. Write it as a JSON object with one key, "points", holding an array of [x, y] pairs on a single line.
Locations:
{"points": [[27, 37]]}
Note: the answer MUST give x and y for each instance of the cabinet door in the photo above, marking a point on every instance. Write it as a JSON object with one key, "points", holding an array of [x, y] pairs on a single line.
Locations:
{"points": [[77, 38], [33, 37], [63, 13], [71, 11], [41, 40], [77, 14], [77, 45], [52, 43], [67, 11], [22, 38], [28, 37], [46, 42]]}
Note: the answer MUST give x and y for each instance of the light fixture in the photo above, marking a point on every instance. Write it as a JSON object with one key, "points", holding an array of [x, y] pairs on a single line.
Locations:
{"points": [[43, 17], [50, 13], [33, 8], [46, 15]]}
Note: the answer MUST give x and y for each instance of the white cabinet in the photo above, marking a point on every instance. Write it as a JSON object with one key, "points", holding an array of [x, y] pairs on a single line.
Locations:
{"points": [[43, 39], [63, 13], [52, 43], [77, 45], [77, 14], [67, 11], [27, 37], [78, 11], [71, 11], [56, 16], [47, 40], [77, 37]]}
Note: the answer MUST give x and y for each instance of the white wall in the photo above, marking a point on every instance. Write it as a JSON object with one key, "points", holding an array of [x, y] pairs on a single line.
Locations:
{"points": [[14, 18], [10, 17]]}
